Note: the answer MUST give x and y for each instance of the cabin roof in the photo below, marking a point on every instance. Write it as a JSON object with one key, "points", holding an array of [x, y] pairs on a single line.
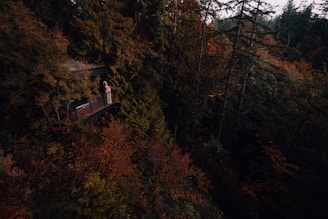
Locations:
{"points": [[78, 66]]}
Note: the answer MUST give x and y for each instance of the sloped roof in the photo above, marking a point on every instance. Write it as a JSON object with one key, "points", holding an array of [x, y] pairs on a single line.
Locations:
{"points": [[76, 65]]}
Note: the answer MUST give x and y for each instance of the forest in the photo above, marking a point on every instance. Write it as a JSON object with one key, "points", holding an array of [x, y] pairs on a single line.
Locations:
{"points": [[217, 116]]}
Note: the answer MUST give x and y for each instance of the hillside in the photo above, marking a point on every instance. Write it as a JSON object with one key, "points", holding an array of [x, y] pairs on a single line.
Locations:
{"points": [[226, 119]]}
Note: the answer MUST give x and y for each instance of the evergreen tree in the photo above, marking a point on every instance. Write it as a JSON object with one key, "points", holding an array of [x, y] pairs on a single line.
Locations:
{"points": [[182, 31], [105, 31], [247, 34], [151, 74], [51, 12], [288, 23]]}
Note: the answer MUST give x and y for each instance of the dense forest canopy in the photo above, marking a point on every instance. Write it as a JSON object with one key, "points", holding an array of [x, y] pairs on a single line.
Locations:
{"points": [[219, 117]]}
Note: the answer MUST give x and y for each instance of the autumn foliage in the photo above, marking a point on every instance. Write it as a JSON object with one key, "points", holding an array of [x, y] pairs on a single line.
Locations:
{"points": [[220, 119], [115, 173]]}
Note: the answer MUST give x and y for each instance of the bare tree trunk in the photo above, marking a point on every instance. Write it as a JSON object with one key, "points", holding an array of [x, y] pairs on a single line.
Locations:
{"points": [[46, 114], [248, 66], [57, 113], [230, 69], [198, 73], [175, 16]]}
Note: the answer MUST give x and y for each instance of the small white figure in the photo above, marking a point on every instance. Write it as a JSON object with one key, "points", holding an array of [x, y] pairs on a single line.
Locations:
{"points": [[108, 91]]}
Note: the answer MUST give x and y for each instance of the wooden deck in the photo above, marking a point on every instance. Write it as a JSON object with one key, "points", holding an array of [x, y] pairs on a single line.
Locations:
{"points": [[90, 109]]}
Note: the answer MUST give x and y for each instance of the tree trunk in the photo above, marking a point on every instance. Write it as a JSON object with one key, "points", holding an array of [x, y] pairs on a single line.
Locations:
{"points": [[248, 66], [230, 67]]}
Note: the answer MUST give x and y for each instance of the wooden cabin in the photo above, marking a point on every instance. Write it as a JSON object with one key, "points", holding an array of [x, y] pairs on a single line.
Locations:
{"points": [[89, 109]]}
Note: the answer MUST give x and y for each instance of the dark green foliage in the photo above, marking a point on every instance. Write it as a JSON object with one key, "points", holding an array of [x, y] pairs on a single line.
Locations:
{"points": [[105, 31], [294, 24], [148, 20], [97, 198], [246, 35], [182, 34], [25, 52], [53, 13], [300, 30]]}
